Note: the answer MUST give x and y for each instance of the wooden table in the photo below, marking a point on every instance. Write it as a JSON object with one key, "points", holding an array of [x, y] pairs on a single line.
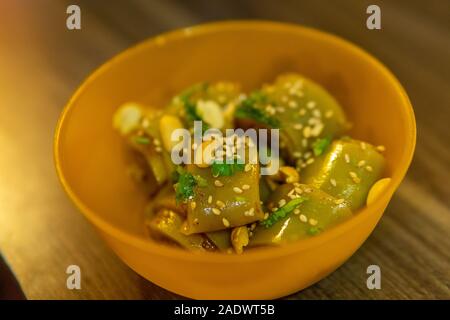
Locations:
{"points": [[41, 63]]}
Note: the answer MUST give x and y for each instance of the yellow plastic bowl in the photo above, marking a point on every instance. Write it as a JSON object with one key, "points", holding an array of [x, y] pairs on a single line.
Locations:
{"points": [[91, 158]]}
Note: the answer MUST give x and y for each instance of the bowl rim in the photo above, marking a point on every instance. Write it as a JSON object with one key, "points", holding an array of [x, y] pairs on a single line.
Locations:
{"points": [[255, 254]]}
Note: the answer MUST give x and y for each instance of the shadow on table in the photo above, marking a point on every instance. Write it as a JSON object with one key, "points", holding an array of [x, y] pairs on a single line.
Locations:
{"points": [[9, 287]]}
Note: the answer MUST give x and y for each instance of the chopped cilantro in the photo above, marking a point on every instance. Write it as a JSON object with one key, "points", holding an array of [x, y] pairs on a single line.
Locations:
{"points": [[314, 231], [219, 169], [282, 212], [184, 188], [190, 107], [320, 145], [247, 109], [141, 140]]}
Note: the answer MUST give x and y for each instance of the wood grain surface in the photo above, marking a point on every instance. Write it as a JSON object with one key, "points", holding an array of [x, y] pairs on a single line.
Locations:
{"points": [[41, 63]]}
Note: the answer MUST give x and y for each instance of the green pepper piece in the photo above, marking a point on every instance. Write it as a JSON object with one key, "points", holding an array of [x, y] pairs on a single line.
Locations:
{"points": [[305, 111], [227, 208], [347, 170], [167, 224], [317, 212], [221, 239]]}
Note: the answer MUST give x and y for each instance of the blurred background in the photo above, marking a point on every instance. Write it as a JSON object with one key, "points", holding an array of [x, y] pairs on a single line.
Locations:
{"points": [[42, 63]]}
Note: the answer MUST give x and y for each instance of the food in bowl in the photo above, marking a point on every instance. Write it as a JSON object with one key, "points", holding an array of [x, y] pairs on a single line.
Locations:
{"points": [[221, 202]]}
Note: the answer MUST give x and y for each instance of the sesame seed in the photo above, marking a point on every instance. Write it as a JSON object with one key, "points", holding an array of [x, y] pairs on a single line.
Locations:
{"points": [[220, 204], [310, 161], [193, 205], [298, 190], [329, 114], [307, 132], [339, 201], [297, 154], [312, 221], [156, 142], [381, 148], [302, 112], [347, 158], [333, 182], [296, 211], [280, 109], [158, 149], [307, 155], [145, 123], [303, 218], [304, 142], [225, 222], [317, 129], [354, 177], [292, 104], [218, 183], [247, 167], [298, 126], [271, 110], [295, 91], [237, 189], [196, 220], [251, 212], [274, 209], [245, 187], [312, 121], [281, 203], [216, 211], [369, 168], [361, 163], [316, 113], [308, 190], [266, 215], [363, 145], [210, 199], [311, 104]]}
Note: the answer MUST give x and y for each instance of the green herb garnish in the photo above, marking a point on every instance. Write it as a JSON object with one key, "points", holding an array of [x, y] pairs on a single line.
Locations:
{"points": [[220, 169], [141, 140], [282, 212], [184, 188], [320, 145], [190, 107], [314, 231], [248, 109]]}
